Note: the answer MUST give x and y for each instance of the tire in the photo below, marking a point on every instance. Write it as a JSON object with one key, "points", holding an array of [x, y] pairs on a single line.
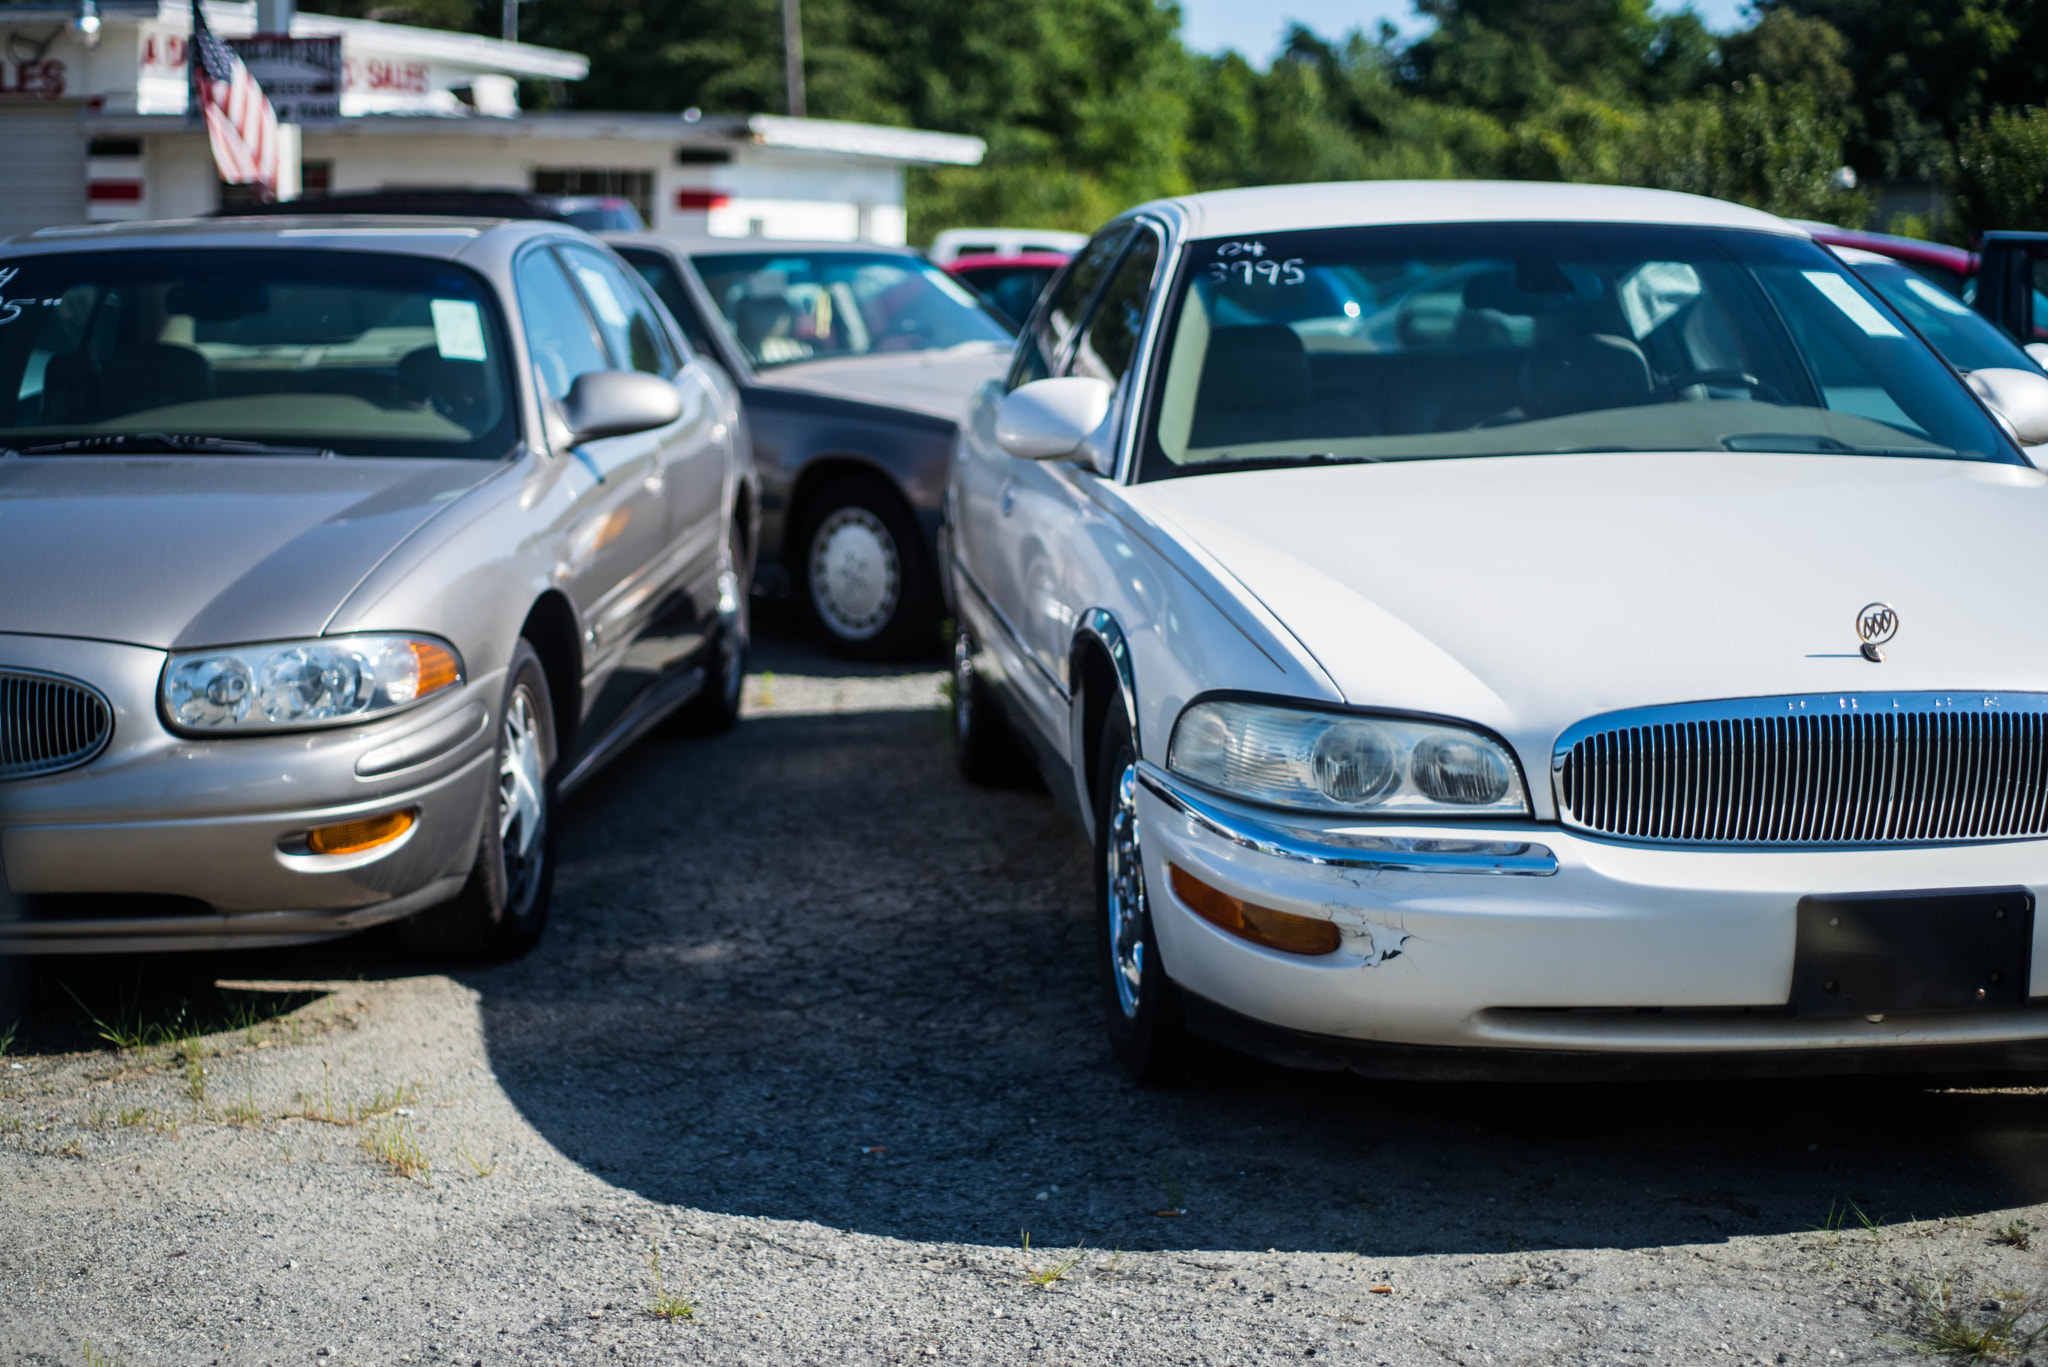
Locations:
{"points": [[1141, 1006], [503, 908], [716, 708], [865, 575], [986, 748]]}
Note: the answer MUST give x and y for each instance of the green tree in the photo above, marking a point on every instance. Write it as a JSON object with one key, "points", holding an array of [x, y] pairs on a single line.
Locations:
{"points": [[2001, 171]]}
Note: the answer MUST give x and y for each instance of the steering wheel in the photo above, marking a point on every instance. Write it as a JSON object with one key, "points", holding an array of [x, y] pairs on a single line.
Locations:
{"points": [[1722, 379]]}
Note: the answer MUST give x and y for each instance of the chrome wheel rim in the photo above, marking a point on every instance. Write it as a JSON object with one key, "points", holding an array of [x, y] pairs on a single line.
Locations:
{"points": [[963, 688], [1126, 893], [856, 579], [522, 801], [732, 623]]}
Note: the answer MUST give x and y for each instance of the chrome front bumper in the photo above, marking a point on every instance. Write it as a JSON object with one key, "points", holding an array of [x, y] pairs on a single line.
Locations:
{"points": [[1561, 943], [221, 822]]}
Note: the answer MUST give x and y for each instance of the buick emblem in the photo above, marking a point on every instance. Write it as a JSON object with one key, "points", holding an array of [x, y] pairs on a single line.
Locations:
{"points": [[1876, 624]]}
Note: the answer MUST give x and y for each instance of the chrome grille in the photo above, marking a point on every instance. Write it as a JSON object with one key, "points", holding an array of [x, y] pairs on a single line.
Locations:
{"points": [[49, 723], [1832, 769]]}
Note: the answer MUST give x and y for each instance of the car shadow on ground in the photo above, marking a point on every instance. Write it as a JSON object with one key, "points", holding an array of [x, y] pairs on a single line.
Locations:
{"points": [[804, 972]]}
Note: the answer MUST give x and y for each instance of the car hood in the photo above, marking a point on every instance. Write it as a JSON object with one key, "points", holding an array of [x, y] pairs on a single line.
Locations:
{"points": [[170, 551], [1529, 592], [941, 383]]}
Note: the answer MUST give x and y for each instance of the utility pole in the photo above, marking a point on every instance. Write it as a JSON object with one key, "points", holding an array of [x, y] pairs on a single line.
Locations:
{"points": [[511, 21], [792, 55]]}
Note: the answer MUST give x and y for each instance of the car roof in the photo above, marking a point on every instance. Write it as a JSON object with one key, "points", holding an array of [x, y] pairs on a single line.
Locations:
{"points": [[438, 237], [695, 243], [1278, 208]]}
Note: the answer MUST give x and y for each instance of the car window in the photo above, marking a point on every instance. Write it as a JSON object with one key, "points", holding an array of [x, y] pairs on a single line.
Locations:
{"points": [[558, 332], [789, 306], [1039, 356], [1965, 338], [666, 281], [625, 316], [1110, 337], [361, 353], [1010, 290], [1485, 339]]}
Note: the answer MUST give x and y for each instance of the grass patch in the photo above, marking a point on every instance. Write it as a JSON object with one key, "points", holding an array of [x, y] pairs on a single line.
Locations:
{"points": [[195, 1080], [470, 1160], [95, 1358], [243, 1112], [2016, 1234], [663, 1303], [146, 1117], [7, 1038], [1951, 1326], [1054, 1271], [382, 1102], [395, 1146]]}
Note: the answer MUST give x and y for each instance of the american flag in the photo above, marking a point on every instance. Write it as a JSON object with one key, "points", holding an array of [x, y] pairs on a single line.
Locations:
{"points": [[239, 120]]}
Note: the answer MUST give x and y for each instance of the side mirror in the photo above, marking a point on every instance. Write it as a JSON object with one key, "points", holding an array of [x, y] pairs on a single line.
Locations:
{"points": [[2018, 396], [2039, 351], [615, 403], [1052, 419]]}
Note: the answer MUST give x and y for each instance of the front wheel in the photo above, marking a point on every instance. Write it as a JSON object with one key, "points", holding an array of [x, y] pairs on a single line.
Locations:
{"points": [[864, 573], [1140, 1004], [503, 908]]}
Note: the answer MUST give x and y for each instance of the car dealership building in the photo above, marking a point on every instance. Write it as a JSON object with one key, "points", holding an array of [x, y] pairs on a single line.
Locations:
{"points": [[93, 127]]}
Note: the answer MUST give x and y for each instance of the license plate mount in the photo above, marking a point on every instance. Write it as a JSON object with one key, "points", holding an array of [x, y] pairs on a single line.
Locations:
{"points": [[1890, 953]]}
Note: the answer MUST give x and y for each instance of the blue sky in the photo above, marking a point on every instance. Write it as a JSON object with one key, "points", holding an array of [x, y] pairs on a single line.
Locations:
{"points": [[1255, 28]]}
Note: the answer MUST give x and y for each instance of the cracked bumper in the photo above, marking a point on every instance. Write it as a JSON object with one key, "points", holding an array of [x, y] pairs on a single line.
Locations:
{"points": [[1598, 948]]}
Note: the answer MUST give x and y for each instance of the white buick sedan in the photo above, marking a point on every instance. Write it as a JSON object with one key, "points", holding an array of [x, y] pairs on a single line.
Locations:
{"points": [[1518, 628]]}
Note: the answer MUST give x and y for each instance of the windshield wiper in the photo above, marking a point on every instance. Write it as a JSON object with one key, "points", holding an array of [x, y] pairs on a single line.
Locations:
{"points": [[172, 443]]}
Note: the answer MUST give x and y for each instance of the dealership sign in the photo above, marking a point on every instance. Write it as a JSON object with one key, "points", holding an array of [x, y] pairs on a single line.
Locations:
{"points": [[300, 76], [34, 80]]}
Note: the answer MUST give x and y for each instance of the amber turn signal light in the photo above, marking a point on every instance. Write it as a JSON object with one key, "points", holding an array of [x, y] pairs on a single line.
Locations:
{"points": [[1281, 930], [353, 837], [438, 666]]}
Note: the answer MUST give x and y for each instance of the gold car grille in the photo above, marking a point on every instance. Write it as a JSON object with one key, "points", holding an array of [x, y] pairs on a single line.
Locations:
{"points": [[1831, 769], [48, 723]]}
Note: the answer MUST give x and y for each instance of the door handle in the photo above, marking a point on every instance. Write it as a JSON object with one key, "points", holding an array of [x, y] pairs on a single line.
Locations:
{"points": [[1006, 499]]}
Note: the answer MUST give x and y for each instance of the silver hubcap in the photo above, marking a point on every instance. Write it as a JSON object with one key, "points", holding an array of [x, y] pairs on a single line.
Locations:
{"points": [[522, 808], [855, 577], [1126, 893]]}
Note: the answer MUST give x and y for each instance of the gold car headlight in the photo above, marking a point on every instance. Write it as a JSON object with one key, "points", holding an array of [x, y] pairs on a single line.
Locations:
{"points": [[1344, 764], [290, 685]]}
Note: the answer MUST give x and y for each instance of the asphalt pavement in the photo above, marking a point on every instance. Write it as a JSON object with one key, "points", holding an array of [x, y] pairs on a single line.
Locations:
{"points": [[810, 1061]]}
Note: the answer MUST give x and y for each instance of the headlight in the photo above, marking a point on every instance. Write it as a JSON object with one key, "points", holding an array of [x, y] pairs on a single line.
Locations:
{"points": [[296, 684], [1327, 762]]}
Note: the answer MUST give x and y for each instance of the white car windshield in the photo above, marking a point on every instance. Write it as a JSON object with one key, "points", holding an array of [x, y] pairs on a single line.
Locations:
{"points": [[1470, 339], [355, 352], [800, 306]]}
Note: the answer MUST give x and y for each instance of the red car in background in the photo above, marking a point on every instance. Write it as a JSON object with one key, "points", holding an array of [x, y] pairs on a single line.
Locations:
{"points": [[1952, 268], [1009, 284]]}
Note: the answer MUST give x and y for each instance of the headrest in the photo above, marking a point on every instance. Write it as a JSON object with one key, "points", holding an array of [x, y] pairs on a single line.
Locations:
{"points": [[1260, 367]]}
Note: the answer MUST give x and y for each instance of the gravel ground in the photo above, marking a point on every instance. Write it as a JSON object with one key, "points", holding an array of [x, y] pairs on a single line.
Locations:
{"points": [[815, 1024]]}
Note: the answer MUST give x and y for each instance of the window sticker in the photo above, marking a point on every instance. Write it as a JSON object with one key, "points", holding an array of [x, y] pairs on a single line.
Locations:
{"points": [[601, 297], [458, 330], [1854, 306], [1933, 294]]}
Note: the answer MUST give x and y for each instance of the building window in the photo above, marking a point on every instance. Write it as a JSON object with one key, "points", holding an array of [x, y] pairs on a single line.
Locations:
{"points": [[316, 177], [634, 186]]}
